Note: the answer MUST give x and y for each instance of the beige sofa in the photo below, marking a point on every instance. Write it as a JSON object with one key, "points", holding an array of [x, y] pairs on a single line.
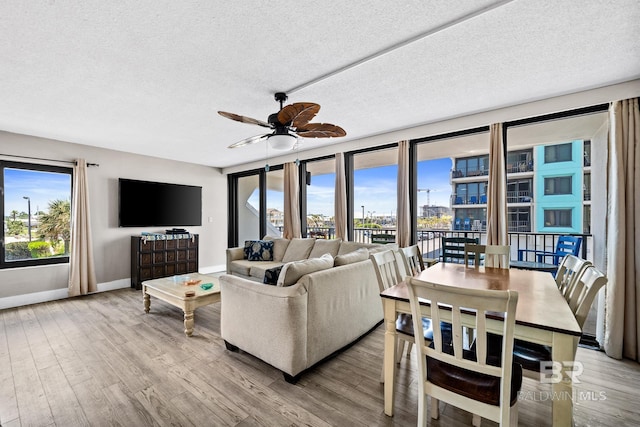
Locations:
{"points": [[285, 251], [294, 326]]}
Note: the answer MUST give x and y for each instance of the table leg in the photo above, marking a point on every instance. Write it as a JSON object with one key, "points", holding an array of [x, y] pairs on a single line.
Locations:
{"points": [[563, 352], [390, 342], [146, 299], [188, 323]]}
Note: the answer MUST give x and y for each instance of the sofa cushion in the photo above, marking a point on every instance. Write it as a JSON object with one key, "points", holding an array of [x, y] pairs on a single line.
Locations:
{"points": [[293, 271], [322, 246], [346, 247], [241, 267], [279, 246], [258, 250], [298, 249], [351, 257]]}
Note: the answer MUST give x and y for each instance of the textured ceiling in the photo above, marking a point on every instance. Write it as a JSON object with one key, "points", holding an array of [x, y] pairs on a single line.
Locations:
{"points": [[149, 76]]}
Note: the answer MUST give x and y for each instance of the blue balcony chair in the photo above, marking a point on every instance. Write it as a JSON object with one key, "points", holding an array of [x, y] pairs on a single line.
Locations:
{"points": [[458, 201], [457, 224], [467, 224], [473, 200], [483, 199], [565, 245]]}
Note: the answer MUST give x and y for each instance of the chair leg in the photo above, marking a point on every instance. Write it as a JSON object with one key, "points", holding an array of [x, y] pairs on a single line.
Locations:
{"points": [[476, 421], [399, 349], [513, 417], [422, 410], [409, 347], [435, 411]]}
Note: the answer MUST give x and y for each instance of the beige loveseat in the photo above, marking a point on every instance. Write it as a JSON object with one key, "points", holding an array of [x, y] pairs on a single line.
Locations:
{"points": [[293, 326]]}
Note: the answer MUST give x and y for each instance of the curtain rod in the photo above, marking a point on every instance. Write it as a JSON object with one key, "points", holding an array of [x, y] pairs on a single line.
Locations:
{"points": [[48, 160]]}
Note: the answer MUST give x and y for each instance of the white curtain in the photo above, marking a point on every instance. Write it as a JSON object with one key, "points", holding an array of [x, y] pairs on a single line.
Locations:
{"points": [[292, 227], [340, 201], [403, 233], [496, 196], [82, 276], [622, 317]]}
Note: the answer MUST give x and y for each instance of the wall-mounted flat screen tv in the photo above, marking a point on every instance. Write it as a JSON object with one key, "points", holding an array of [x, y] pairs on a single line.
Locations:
{"points": [[155, 204]]}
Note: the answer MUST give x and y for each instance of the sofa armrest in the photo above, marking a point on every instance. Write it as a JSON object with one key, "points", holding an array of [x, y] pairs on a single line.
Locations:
{"points": [[268, 322], [232, 255]]}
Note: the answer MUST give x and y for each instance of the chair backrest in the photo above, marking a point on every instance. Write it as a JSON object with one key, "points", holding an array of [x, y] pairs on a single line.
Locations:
{"points": [[502, 253], [385, 265], [568, 272], [453, 248], [473, 252], [584, 292], [412, 259], [454, 305], [567, 245]]}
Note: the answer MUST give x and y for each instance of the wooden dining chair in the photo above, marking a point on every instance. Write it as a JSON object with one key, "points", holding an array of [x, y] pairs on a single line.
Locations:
{"points": [[388, 274], [473, 252], [570, 268], [412, 259], [529, 354], [472, 380]]}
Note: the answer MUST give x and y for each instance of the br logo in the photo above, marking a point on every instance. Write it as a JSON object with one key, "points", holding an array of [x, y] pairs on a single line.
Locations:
{"points": [[551, 372]]}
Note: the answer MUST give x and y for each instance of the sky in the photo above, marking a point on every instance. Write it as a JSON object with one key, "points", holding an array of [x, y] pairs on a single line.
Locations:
{"points": [[40, 187], [374, 188]]}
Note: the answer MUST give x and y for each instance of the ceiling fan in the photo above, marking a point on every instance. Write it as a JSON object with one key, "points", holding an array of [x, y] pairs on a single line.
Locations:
{"points": [[291, 122]]}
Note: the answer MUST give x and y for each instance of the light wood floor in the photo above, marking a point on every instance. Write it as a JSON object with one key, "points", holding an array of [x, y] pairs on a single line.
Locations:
{"points": [[99, 360]]}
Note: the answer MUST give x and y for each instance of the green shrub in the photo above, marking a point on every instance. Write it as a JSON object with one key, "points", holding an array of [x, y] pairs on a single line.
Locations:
{"points": [[17, 250], [39, 249]]}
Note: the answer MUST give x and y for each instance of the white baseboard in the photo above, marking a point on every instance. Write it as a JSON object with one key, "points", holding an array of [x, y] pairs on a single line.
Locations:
{"points": [[56, 294], [213, 269]]}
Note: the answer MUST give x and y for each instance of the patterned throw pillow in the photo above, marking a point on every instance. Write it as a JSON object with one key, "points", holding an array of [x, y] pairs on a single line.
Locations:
{"points": [[258, 250], [271, 275]]}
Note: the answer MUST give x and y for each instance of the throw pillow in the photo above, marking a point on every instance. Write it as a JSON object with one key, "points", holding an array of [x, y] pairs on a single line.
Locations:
{"points": [[258, 250], [298, 249], [322, 246], [271, 276], [351, 257], [293, 271]]}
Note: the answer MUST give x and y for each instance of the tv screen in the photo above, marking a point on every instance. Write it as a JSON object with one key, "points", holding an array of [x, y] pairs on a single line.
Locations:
{"points": [[153, 204]]}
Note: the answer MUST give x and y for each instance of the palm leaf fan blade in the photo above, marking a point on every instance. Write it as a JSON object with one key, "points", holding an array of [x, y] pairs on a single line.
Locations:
{"points": [[320, 130], [298, 114]]}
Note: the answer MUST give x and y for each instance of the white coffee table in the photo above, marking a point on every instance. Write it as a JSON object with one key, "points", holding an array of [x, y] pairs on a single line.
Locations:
{"points": [[172, 290]]}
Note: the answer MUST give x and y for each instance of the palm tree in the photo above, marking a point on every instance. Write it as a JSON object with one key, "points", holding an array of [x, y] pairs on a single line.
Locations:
{"points": [[14, 213], [56, 224]]}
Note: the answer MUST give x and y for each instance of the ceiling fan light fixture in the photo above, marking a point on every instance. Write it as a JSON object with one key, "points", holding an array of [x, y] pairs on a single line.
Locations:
{"points": [[282, 141]]}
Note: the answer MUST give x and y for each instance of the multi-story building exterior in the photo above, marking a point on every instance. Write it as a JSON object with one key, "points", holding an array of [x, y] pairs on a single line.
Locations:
{"points": [[548, 189]]}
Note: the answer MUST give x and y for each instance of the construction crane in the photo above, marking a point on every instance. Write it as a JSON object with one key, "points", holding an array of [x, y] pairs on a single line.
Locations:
{"points": [[428, 191]]}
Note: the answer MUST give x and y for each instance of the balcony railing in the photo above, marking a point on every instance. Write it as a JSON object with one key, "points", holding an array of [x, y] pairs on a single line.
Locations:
{"points": [[468, 199], [462, 173], [519, 197], [519, 167]]}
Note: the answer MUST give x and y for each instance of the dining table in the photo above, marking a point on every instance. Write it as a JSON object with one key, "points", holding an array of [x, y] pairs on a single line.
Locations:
{"points": [[542, 316]]}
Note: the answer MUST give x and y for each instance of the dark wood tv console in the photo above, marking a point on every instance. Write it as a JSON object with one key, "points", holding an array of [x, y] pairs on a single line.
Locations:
{"points": [[153, 257]]}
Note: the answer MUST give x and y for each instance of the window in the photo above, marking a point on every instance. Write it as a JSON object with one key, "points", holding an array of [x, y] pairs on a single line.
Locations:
{"points": [[375, 188], [558, 185], [519, 191], [557, 218], [519, 161], [557, 153], [275, 202], [519, 219], [321, 184], [248, 208], [36, 208]]}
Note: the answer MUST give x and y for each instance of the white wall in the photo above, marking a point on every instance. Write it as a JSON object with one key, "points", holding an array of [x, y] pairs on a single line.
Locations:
{"points": [[112, 244]]}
